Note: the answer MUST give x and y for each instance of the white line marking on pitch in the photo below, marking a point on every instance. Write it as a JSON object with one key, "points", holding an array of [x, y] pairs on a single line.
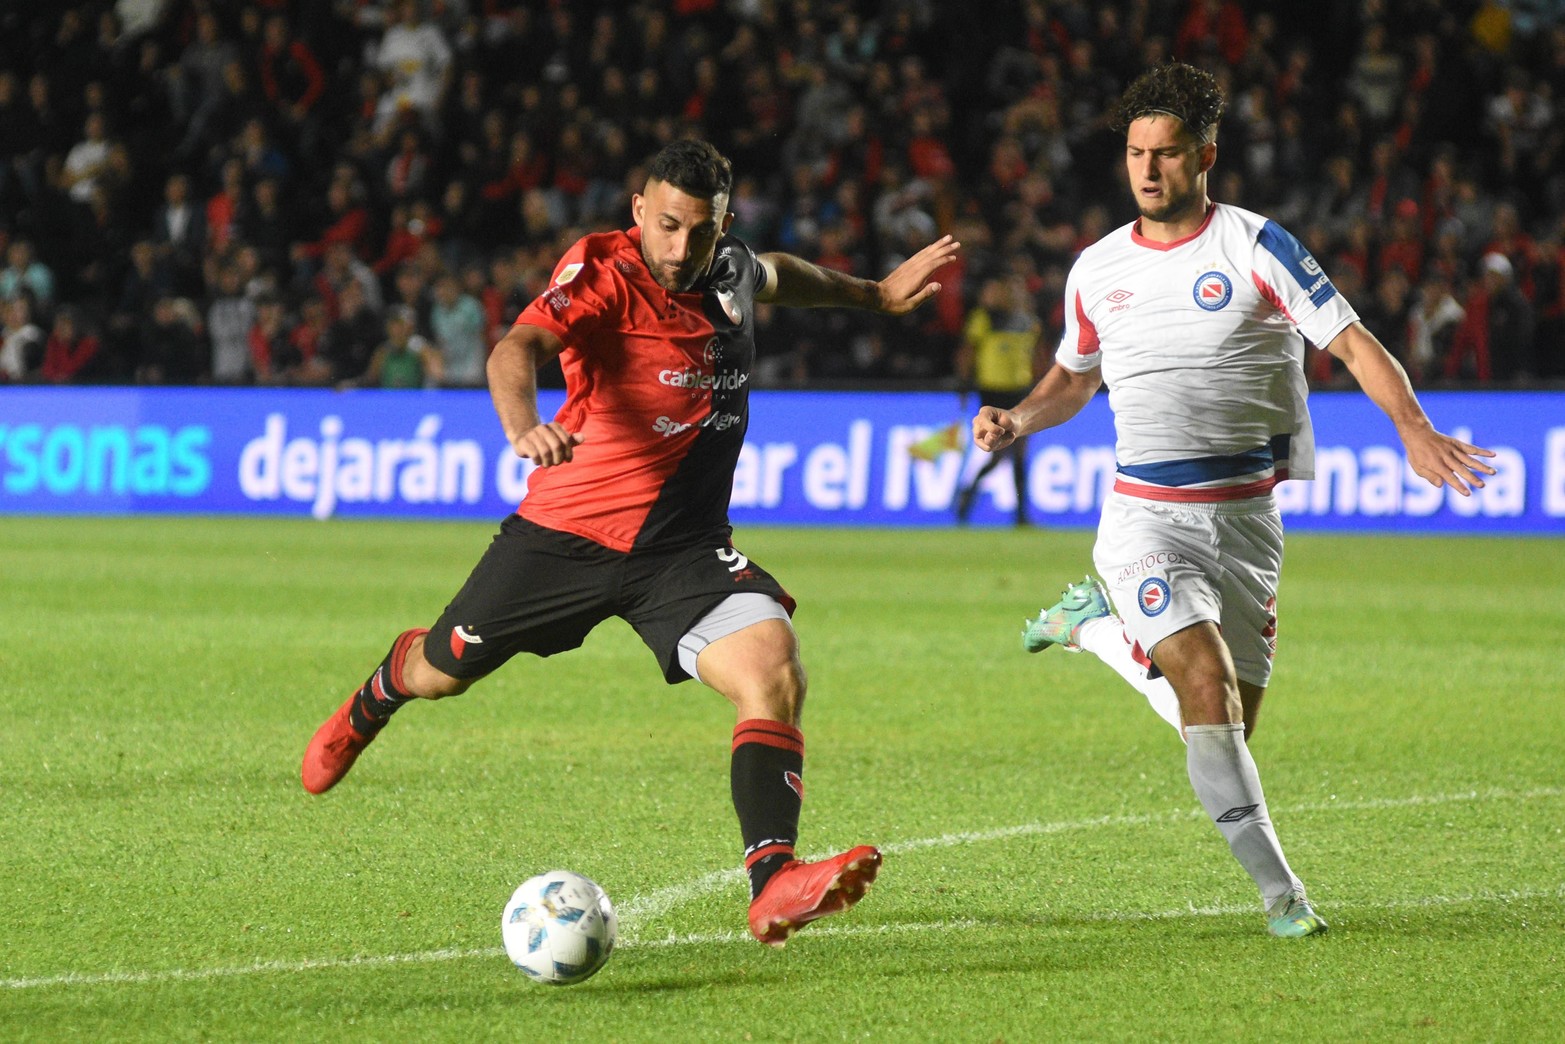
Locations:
{"points": [[835, 930], [665, 899]]}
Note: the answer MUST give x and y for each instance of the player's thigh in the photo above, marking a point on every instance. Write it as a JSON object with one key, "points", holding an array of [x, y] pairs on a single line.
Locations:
{"points": [[669, 594], [1197, 664], [1160, 566], [535, 590], [757, 666], [1252, 556]]}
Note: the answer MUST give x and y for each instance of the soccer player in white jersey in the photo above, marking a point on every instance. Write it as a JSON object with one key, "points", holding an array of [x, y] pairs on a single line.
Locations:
{"points": [[1197, 317]]}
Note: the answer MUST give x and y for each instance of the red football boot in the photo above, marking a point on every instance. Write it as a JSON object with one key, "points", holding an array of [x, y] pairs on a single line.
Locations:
{"points": [[332, 751], [803, 892]]}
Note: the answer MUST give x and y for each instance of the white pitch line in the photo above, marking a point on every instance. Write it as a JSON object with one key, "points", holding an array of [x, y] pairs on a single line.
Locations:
{"points": [[197, 974], [833, 930], [666, 899]]}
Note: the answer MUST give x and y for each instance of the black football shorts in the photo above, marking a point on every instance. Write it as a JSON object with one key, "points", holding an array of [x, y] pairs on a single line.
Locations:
{"points": [[540, 591]]}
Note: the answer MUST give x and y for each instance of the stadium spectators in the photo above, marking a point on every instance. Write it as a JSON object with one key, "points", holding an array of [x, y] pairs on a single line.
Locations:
{"points": [[69, 351], [21, 341], [149, 146]]}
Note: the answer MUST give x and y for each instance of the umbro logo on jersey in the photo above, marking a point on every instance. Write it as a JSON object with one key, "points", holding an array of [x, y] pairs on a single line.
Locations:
{"points": [[1119, 296], [1213, 291]]}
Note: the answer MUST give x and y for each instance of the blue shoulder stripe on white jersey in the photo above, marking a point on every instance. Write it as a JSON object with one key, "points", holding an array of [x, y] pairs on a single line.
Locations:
{"points": [[1306, 271]]}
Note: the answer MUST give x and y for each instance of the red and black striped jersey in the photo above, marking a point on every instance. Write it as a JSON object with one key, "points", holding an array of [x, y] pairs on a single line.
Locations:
{"points": [[658, 384]]}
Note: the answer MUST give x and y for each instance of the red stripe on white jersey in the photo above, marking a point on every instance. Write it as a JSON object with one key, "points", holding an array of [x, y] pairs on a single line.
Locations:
{"points": [[1200, 494], [1086, 333], [1270, 293]]}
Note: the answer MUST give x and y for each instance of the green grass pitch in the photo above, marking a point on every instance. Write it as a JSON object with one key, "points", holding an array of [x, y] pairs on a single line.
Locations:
{"points": [[1048, 875]]}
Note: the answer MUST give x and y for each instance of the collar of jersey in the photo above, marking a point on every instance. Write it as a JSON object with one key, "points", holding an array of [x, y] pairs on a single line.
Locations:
{"points": [[1152, 244]]}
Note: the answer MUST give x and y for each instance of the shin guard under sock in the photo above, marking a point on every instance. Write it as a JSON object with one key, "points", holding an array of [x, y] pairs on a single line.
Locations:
{"points": [[382, 694], [766, 778], [1226, 781]]}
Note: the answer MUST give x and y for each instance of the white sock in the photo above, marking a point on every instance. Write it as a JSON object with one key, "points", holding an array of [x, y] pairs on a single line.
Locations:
{"points": [[1225, 779], [1105, 639]]}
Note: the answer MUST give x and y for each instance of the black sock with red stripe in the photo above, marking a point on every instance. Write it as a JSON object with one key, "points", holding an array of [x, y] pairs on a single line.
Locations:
{"points": [[766, 776], [379, 697]]}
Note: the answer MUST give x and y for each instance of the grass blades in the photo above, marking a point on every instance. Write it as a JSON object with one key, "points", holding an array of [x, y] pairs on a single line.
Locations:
{"points": [[1048, 874]]}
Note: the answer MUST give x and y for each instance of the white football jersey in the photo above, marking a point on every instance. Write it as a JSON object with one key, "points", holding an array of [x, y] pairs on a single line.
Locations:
{"points": [[1201, 343]]}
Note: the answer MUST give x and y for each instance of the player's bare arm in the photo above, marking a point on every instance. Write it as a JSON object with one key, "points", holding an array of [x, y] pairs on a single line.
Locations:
{"points": [[796, 282], [1054, 400], [513, 385], [1438, 459]]}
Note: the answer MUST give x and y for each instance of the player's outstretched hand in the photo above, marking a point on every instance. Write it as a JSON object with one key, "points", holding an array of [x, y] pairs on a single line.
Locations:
{"points": [[1441, 460], [993, 428], [908, 286], [547, 444]]}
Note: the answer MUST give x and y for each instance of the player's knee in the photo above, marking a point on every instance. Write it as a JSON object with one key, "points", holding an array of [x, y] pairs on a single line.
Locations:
{"points": [[442, 685], [1210, 701], [775, 689], [424, 680]]}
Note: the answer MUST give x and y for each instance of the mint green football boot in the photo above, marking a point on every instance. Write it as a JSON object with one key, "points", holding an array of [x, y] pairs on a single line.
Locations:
{"points": [[1061, 623], [1292, 917]]}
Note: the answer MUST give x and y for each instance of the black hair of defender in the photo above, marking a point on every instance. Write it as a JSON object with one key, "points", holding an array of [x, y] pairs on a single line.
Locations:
{"points": [[1175, 89]]}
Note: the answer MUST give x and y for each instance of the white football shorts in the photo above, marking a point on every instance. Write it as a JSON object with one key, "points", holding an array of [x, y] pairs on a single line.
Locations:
{"points": [[1169, 566]]}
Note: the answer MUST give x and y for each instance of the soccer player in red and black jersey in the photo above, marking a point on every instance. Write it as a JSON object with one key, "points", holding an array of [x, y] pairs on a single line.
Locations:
{"points": [[627, 512]]}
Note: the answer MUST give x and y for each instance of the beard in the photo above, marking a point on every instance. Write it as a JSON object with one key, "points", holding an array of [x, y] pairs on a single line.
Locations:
{"points": [[1172, 208], [670, 278]]}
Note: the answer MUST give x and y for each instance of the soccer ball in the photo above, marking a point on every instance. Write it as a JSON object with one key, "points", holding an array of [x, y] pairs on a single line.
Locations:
{"points": [[559, 928]]}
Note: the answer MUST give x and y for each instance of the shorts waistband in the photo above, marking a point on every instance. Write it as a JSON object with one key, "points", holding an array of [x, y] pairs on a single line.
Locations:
{"points": [[1258, 504]]}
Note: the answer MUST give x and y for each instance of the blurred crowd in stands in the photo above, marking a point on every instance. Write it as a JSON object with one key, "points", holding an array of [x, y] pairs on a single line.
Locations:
{"points": [[366, 192]]}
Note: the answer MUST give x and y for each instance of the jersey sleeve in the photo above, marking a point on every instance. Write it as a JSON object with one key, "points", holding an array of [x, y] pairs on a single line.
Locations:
{"points": [[1292, 280], [758, 270], [1079, 348], [581, 293]]}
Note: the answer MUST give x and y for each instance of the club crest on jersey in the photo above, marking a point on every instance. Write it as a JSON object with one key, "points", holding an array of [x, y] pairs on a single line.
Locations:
{"points": [[1213, 291], [461, 638], [1153, 596]]}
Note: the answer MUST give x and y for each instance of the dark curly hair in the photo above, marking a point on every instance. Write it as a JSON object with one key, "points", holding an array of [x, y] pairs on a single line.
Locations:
{"points": [[1177, 90], [695, 168]]}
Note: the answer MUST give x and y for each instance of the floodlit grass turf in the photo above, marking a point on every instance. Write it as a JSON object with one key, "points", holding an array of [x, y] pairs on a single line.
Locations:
{"points": [[164, 877]]}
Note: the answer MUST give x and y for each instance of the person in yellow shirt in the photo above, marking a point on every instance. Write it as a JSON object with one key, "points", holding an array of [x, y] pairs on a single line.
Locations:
{"points": [[999, 358]]}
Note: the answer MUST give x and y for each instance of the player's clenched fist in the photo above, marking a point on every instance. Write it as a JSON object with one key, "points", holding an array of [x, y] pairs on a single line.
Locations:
{"points": [[993, 429], [547, 444]]}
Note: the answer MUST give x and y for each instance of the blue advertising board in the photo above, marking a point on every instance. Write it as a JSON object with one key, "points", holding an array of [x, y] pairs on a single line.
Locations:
{"points": [[810, 458]]}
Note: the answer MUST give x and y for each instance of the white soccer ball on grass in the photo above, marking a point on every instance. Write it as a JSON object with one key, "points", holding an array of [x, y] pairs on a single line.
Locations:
{"points": [[559, 928]]}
